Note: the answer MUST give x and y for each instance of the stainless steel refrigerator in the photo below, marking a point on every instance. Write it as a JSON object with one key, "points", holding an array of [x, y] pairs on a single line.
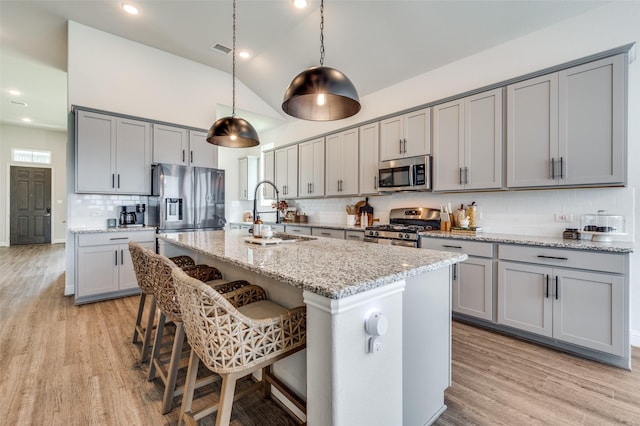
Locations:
{"points": [[186, 198]]}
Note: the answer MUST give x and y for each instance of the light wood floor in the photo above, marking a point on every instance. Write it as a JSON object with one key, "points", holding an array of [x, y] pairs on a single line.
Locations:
{"points": [[62, 364]]}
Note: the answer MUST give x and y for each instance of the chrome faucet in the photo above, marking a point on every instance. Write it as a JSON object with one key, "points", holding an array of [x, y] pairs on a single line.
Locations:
{"points": [[255, 199]]}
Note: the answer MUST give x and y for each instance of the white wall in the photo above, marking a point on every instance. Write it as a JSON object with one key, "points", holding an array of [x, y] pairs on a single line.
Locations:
{"points": [[522, 212], [41, 140]]}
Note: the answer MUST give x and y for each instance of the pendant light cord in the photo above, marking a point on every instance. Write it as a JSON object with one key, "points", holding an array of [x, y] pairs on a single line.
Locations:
{"points": [[233, 72], [321, 32]]}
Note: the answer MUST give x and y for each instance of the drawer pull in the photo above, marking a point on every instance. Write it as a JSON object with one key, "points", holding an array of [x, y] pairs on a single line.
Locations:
{"points": [[119, 238], [552, 257], [355, 237], [455, 247]]}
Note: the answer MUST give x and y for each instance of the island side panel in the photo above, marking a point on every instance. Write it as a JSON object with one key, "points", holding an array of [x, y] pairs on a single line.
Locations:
{"points": [[426, 346], [346, 385]]}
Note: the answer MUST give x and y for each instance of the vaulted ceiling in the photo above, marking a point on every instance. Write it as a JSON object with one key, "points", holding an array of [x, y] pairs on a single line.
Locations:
{"points": [[376, 43]]}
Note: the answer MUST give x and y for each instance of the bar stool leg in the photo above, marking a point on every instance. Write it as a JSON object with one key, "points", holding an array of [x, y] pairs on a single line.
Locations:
{"points": [[172, 371], [157, 344], [146, 341], [226, 399], [143, 297], [189, 386]]}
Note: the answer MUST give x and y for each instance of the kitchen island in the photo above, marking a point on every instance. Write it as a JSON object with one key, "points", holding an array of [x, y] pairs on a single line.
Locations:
{"points": [[346, 377]]}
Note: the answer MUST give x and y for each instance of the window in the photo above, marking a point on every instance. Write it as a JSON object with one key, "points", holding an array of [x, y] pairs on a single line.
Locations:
{"points": [[31, 156]]}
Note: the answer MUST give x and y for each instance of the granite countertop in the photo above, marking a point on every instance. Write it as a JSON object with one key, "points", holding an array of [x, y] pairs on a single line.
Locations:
{"points": [[614, 246], [93, 230], [344, 227], [329, 267]]}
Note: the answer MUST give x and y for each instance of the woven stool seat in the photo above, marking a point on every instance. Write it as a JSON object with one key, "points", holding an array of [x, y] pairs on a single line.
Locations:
{"points": [[160, 269], [235, 340], [141, 268]]}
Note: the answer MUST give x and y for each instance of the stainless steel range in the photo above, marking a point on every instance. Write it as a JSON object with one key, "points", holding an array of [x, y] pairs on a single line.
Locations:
{"points": [[404, 226]]}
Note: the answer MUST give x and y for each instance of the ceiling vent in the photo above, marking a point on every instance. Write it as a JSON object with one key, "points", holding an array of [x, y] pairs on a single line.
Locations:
{"points": [[220, 48]]}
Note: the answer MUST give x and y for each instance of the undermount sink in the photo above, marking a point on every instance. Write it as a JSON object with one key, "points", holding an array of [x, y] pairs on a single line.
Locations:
{"points": [[292, 238]]}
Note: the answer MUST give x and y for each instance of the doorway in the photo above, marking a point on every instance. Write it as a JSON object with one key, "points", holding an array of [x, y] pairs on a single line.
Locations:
{"points": [[30, 211]]}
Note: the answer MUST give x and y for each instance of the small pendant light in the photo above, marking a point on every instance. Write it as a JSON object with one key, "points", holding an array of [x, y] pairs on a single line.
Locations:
{"points": [[233, 132], [321, 93]]}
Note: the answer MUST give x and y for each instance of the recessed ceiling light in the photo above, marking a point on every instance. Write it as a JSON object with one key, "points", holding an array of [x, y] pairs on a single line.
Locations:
{"points": [[130, 9], [26, 120], [300, 4], [14, 92], [244, 54]]}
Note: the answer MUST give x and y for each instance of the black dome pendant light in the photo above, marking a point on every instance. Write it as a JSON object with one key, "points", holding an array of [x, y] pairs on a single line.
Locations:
{"points": [[321, 93], [233, 132]]}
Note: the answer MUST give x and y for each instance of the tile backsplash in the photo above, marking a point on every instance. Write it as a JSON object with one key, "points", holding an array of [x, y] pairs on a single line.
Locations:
{"points": [[530, 212], [93, 210]]}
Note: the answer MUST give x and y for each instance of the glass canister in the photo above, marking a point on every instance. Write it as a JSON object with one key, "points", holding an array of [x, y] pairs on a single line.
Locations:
{"points": [[472, 213], [601, 224]]}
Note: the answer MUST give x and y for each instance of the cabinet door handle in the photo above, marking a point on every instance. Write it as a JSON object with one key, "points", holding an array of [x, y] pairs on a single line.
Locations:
{"points": [[455, 247], [553, 168], [328, 234], [561, 168], [466, 175], [191, 156], [405, 145], [183, 155], [116, 257], [113, 180], [400, 146], [122, 257], [118, 180], [460, 175], [119, 238], [375, 182], [556, 287], [552, 257], [546, 293], [455, 272]]}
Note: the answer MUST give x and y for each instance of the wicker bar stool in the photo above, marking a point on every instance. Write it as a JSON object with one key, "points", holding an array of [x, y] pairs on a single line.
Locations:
{"points": [[141, 268], [234, 341], [160, 268]]}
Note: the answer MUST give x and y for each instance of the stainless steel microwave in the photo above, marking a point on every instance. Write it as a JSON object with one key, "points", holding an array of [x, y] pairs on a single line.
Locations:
{"points": [[405, 174]]}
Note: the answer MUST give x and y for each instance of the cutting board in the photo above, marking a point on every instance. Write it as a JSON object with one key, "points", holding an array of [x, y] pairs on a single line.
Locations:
{"points": [[263, 241]]}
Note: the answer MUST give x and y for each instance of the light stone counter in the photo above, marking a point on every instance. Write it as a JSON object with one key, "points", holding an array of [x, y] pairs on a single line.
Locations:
{"points": [[328, 267], [614, 246], [94, 230]]}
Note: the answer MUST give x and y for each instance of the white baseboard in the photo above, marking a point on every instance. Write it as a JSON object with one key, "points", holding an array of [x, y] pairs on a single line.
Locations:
{"points": [[4, 244], [59, 241], [635, 338]]}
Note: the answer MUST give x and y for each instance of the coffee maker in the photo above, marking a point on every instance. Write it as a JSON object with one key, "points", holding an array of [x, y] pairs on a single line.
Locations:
{"points": [[132, 215]]}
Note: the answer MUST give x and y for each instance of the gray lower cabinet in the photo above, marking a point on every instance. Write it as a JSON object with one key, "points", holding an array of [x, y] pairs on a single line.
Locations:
{"points": [[572, 296], [328, 233], [354, 235], [113, 154], [300, 230], [473, 279], [103, 264]]}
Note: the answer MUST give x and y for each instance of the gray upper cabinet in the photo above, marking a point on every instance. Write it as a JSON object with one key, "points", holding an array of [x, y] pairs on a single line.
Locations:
{"points": [[369, 143], [184, 147], [407, 135], [342, 163], [311, 168], [467, 143], [568, 128], [269, 174], [286, 171], [113, 154]]}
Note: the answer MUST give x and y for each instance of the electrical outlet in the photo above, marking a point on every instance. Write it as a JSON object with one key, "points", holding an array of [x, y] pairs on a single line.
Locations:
{"points": [[96, 213], [563, 217]]}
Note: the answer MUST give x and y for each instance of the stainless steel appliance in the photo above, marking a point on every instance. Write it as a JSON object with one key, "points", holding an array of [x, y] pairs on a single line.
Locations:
{"points": [[404, 226], [186, 198], [132, 215], [405, 174]]}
